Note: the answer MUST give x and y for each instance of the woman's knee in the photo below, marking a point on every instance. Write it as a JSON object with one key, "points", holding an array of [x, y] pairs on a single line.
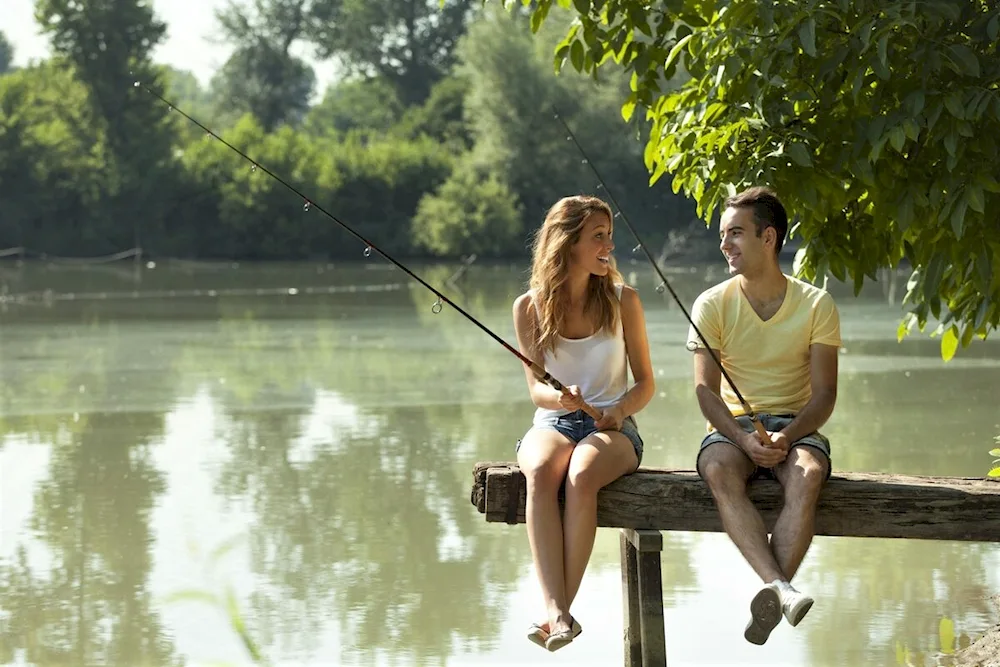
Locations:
{"points": [[545, 468]]}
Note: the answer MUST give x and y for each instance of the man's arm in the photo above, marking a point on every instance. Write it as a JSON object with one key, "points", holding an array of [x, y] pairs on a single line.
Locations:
{"points": [[823, 361], [707, 387]]}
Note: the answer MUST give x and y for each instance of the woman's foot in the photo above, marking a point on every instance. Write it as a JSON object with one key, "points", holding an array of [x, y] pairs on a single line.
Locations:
{"points": [[538, 633], [563, 633]]}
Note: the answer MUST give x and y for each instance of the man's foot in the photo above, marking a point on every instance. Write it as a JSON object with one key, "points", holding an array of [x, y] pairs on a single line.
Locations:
{"points": [[765, 614], [794, 604]]}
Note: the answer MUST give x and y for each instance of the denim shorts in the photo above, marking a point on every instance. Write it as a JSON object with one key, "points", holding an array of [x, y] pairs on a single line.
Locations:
{"points": [[578, 425], [772, 423]]}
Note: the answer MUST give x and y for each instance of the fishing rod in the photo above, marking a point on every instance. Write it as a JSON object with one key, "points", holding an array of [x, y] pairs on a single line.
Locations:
{"points": [[666, 283], [308, 204]]}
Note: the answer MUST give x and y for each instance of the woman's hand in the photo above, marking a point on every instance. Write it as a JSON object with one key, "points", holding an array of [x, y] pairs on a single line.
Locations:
{"points": [[611, 420], [571, 399]]}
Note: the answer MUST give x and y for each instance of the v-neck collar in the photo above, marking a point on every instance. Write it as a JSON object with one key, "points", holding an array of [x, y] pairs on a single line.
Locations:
{"points": [[760, 320]]}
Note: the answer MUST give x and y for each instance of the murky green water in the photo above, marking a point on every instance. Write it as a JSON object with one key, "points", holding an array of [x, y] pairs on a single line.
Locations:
{"points": [[304, 436]]}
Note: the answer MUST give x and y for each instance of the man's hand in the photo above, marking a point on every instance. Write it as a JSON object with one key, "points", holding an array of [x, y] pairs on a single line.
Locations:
{"points": [[779, 440], [765, 457]]}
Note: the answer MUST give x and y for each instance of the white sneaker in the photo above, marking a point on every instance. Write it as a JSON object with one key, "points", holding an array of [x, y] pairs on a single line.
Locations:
{"points": [[794, 605], [765, 614]]}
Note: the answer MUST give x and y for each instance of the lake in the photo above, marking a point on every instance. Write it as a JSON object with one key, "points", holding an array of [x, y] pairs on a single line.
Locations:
{"points": [[293, 445]]}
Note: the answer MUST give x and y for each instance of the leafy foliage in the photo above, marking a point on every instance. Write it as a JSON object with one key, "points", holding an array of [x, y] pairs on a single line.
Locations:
{"points": [[6, 53], [878, 121], [473, 212], [409, 43], [262, 76]]}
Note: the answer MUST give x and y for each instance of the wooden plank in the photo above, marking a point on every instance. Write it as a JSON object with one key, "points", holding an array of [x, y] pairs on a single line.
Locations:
{"points": [[852, 504], [630, 602]]}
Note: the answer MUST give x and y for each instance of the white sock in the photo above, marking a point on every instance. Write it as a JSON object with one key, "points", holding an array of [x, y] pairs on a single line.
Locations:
{"points": [[783, 586]]}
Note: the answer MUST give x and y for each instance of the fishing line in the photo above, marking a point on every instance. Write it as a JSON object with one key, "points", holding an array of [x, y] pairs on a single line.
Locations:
{"points": [[664, 282], [308, 205]]}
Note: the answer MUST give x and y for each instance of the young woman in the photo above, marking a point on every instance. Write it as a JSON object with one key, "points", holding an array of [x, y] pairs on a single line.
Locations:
{"points": [[582, 324]]}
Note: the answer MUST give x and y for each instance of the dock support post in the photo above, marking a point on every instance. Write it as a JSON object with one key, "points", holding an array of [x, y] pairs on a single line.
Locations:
{"points": [[642, 597]]}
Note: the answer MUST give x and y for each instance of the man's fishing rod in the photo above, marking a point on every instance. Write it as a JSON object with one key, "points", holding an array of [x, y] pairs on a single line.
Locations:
{"points": [[666, 283], [308, 204]]}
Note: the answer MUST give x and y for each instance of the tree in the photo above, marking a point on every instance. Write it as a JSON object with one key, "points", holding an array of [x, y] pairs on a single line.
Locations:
{"points": [[512, 96], [878, 121], [6, 54], [108, 44], [358, 104], [409, 42], [53, 166], [472, 212], [262, 76]]}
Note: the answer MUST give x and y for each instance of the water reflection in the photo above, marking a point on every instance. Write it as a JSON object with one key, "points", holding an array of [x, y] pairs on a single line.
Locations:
{"points": [[338, 436], [85, 600]]}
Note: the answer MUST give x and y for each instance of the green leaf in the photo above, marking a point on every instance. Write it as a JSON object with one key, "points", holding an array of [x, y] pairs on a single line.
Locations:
{"points": [[958, 217], [993, 27], [799, 155], [946, 633], [951, 143], [949, 343], [974, 194], [985, 267], [676, 51], [582, 6], [628, 108], [883, 50], [995, 452], [897, 137], [932, 278], [807, 35], [984, 307], [966, 60], [954, 105], [994, 473], [576, 55]]}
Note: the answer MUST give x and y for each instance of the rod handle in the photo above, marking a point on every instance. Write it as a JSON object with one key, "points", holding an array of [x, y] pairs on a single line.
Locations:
{"points": [[762, 432]]}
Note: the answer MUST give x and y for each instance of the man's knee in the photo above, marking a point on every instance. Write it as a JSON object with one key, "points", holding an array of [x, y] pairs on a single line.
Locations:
{"points": [[724, 468], [805, 473]]}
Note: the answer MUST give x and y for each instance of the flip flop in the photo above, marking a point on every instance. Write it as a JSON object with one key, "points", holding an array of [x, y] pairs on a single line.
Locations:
{"points": [[558, 640]]}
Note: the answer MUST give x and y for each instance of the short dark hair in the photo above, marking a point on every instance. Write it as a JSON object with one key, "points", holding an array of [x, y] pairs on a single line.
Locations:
{"points": [[767, 211]]}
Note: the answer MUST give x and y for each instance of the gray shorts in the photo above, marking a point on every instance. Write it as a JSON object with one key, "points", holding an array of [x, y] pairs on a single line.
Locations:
{"points": [[772, 423]]}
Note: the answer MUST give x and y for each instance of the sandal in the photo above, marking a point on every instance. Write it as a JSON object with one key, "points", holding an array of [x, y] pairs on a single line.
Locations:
{"points": [[557, 640]]}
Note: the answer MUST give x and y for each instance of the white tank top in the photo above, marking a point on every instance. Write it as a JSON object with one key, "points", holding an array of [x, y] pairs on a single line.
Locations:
{"points": [[597, 364]]}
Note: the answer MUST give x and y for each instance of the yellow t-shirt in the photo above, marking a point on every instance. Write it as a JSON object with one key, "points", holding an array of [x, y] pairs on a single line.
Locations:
{"points": [[768, 361]]}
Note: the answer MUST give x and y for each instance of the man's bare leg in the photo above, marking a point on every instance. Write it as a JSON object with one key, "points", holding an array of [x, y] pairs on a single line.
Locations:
{"points": [[802, 476], [726, 470]]}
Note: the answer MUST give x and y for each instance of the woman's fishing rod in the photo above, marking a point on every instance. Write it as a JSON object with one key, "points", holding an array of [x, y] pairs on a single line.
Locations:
{"points": [[308, 204], [666, 283]]}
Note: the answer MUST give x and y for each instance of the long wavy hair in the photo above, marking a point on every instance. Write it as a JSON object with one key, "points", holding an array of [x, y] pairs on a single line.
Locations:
{"points": [[550, 270]]}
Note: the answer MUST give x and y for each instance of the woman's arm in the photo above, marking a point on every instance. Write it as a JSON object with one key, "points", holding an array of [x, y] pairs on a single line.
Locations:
{"points": [[526, 327], [637, 349]]}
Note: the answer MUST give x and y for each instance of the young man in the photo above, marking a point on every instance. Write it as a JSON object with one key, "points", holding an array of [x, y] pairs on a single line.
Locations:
{"points": [[778, 339]]}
